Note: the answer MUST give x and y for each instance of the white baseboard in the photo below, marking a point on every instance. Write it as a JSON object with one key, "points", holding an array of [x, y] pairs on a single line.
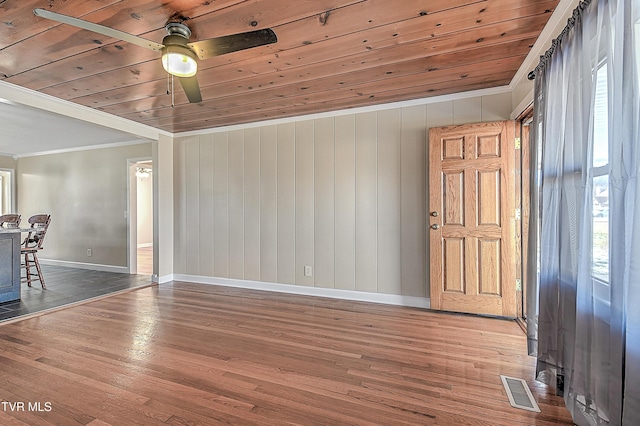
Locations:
{"points": [[165, 279], [90, 266], [387, 299]]}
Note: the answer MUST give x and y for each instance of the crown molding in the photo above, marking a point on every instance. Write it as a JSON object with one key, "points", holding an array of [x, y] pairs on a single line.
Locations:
{"points": [[554, 26], [359, 110], [11, 93], [84, 148]]}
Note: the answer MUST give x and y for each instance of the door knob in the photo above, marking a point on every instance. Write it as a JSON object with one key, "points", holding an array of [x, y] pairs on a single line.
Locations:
{"points": [[434, 214], [435, 226]]}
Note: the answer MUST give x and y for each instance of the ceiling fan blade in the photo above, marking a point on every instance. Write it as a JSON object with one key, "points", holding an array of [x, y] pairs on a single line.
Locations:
{"points": [[231, 43], [97, 28], [191, 88]]}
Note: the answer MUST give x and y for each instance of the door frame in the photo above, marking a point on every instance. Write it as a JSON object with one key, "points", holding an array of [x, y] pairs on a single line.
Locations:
{"points": [[523, 201], [11, 186], [132, 213]]}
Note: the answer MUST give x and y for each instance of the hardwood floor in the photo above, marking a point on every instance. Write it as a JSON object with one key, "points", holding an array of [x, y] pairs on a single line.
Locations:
{"points": [[187, 354], [66, 286], [145, 260]]}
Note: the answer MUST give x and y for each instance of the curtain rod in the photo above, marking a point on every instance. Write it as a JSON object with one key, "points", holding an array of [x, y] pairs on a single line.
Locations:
{"points": [[556, 41]]}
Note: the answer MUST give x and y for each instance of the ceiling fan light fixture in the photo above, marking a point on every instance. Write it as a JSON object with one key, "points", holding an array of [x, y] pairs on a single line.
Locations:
{"points": [[179, 61], [179, 56]]}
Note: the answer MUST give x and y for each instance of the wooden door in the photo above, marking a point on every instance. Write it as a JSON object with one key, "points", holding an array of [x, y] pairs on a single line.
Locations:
{"points": [[471, 218]]}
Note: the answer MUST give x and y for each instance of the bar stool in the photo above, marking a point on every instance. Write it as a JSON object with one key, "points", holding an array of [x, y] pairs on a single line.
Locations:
{"points": [[32, 245], [10, 220]]}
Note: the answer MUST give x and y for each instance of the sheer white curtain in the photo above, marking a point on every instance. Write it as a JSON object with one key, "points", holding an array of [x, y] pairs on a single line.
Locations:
{"points": [[584, 307]]}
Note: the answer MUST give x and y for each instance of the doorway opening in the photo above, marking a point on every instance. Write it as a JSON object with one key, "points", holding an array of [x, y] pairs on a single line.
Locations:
{"points": [[141, 216], [7, 202]]}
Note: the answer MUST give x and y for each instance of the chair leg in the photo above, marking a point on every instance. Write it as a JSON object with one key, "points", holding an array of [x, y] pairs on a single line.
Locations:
{"points": [[30, 262], [27, 267], [37, 262]]}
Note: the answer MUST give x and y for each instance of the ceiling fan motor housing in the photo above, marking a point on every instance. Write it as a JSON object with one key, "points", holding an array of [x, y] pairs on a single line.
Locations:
{"points": [[177, 58], [178, 28], [177, 35]]}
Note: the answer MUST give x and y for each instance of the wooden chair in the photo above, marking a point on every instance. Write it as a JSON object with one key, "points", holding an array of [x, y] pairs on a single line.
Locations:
{"points": [[10, 220], [32, 245]]}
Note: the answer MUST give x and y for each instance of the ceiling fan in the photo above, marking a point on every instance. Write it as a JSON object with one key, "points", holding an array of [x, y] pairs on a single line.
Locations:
{"points": [[179, 56]]}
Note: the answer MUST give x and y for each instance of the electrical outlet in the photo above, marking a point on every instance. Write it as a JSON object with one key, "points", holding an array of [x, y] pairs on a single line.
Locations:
{"points": [[89, 253], [308, 271]]}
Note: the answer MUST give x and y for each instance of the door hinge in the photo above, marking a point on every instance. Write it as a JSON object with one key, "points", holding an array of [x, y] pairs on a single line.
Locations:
{"points": [[518, 284], [518, 214], [517, 143]]}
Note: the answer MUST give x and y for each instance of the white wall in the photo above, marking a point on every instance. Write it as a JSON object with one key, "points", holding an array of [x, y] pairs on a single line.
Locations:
{"points": [[7, 162], [7, 169], [144, 204], [85, 192], [345, 194]]}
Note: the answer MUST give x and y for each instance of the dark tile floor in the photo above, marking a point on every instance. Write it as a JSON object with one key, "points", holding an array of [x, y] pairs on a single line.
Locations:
{"points": [[68, 285]]}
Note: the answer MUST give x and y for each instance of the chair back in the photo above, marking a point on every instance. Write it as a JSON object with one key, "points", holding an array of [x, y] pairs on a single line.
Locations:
{"points": [[39, 225], [10, 220]]}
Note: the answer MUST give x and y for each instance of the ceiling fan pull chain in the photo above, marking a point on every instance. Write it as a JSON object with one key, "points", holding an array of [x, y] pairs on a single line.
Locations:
{"points": [[170, 89]]}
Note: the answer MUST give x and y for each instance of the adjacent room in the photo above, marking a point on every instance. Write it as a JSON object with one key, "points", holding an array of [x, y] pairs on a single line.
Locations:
{"points": [[330, 212]]}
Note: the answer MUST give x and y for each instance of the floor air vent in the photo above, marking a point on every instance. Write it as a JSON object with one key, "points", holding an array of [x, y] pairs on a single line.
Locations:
{"points": [[519, 394]]}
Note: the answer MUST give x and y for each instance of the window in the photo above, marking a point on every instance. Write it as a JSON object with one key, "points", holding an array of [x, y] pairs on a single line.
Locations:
{"points": [[600, 180]]}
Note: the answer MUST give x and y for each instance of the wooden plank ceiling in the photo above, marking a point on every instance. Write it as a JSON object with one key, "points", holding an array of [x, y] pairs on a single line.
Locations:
{"points": [[330, 54]]}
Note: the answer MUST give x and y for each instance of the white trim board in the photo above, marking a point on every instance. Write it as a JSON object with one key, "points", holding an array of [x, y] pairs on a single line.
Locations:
{"points": [[82, 265], [85, 148], [361, 296], [163, 279], [551, 30], [522, 106], [357, 110], [22, 95]]}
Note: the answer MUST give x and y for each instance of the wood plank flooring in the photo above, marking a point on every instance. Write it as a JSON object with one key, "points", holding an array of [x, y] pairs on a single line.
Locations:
{"points": [[145, 260], [68, 285], [190, 354]]}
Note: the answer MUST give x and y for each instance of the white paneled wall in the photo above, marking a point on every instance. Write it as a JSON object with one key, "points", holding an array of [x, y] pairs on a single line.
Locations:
{"points": [[345, 195]]}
